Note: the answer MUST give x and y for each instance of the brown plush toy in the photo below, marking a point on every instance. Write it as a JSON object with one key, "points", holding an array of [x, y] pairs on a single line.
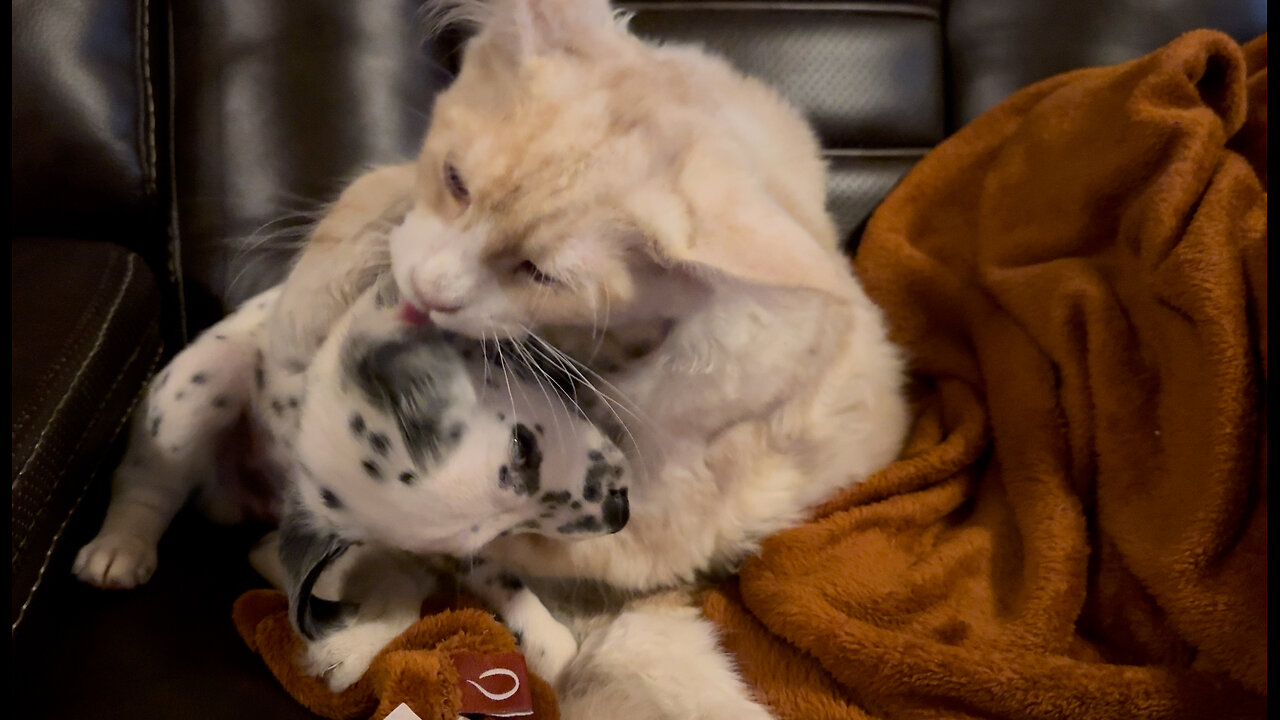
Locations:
{"points": [[416, 669]]}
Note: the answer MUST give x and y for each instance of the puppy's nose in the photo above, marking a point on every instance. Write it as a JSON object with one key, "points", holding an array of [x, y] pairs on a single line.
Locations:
{"points": [[617, 510]]}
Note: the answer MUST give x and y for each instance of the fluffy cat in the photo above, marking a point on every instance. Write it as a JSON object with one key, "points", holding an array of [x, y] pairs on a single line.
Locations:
{"points": [[580, 182]]}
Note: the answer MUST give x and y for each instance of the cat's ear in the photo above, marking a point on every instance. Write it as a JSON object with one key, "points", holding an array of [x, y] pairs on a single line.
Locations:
{"points": [[521, 29], [722, 219]]}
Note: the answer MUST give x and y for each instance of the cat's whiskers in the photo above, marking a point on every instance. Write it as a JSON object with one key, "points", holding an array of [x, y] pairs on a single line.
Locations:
{"points": [[506, 376], [527, 358], [604, 330], [576, 368]]}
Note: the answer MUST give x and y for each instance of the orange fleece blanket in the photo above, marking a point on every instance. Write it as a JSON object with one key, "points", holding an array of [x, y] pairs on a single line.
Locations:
{"points": [[1078, 525]]}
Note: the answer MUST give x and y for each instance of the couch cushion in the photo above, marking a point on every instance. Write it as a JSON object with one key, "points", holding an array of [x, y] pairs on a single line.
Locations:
{"points": [[86, 336]]}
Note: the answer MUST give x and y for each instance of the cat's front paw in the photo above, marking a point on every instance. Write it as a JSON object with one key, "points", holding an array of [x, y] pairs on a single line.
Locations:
{"points": [[548, 649], [116, 561]]}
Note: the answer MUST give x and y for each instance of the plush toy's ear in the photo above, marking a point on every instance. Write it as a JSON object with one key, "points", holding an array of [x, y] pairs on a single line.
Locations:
{"points": [[305, 553], [723, 220]]}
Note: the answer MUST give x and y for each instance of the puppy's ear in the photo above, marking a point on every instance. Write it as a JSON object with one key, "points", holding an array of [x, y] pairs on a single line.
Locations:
{"points": [[306, 553]]}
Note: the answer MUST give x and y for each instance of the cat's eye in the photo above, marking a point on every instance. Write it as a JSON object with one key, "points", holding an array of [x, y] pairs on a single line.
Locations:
{"points": [[528, 269], [525, 453], [453, 180]]}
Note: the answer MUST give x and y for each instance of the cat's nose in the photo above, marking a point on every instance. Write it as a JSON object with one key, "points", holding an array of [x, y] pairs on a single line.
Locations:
{"points": [[617, 509], [443, 293]]}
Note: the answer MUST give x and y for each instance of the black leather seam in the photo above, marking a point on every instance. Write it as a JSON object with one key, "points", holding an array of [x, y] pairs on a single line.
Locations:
{"points": [[93, 476], [48, 383], [176, 279], [106, 397], [861, 8], [147, 121]]}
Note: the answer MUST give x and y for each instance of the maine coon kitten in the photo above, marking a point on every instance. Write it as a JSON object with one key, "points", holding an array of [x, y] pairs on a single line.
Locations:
{"points": [[577, 179]]}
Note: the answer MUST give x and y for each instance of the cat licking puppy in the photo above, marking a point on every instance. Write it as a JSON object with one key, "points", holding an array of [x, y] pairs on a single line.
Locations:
{"points": [[400, 442], [579, 186]]}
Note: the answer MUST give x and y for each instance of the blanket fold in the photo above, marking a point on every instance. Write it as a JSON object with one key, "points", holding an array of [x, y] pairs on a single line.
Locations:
{"points": [[1078, 525]]}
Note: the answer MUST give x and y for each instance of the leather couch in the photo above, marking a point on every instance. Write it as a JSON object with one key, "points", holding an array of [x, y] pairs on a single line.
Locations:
{"points": [[165, 155]]}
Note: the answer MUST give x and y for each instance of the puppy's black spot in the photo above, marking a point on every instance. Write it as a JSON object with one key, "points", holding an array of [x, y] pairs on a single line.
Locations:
{"points": [[277, 406], [475, 528], [199, 378], [519, 636], [595, 456], [179, 395], [220, 337], [556, 498], [220, 401], [597, 474], [584, 524], [155, 425], [259, 377], [357, 424], [409, 378], [456, 431], [502, 417], [371, 468], [293, 403], [380, 442], [575, 505], [163, 379], [539, 429], [330, 500], [408, 478], [510, 582]]}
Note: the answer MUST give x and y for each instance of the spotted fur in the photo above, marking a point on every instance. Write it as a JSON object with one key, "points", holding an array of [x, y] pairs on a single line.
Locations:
{"points": [[390, 441]]}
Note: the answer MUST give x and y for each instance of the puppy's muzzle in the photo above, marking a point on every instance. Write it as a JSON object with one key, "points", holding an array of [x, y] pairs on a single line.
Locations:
{"points": [[617, 510]]}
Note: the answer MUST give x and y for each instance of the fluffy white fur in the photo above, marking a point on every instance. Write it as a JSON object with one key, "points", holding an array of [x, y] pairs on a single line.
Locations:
{"points": [[578, 181]]}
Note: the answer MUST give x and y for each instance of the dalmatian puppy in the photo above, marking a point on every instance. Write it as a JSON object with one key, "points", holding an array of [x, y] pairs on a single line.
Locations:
{"points": [[400, 443]]}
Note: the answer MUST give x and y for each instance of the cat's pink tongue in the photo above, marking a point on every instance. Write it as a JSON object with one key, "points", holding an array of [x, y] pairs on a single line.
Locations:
{"points": [[411, 315]]}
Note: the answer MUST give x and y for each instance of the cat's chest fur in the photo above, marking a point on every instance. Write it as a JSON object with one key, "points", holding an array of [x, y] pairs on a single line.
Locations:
{"points": [[747, 412]]}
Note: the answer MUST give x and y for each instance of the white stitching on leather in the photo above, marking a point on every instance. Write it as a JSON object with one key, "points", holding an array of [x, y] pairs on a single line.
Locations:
{"points": [[53, 542], [53, 370], [115, 305], [106, 396]]}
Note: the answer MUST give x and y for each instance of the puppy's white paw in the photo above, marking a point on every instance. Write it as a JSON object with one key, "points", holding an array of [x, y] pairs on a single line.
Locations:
{"points": [[343, 656], [116, 562], [548, 648]]}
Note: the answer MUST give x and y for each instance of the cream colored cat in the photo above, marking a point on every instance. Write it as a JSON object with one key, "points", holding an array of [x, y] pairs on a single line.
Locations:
{"points": [[577, 179]]}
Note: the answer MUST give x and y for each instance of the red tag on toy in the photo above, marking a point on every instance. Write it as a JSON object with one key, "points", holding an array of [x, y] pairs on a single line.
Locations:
{"points": [[496, 685]]}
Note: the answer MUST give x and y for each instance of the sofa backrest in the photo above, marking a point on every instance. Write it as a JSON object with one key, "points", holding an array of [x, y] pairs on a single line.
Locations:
{"points": [[90, 117], [278, 104]]}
